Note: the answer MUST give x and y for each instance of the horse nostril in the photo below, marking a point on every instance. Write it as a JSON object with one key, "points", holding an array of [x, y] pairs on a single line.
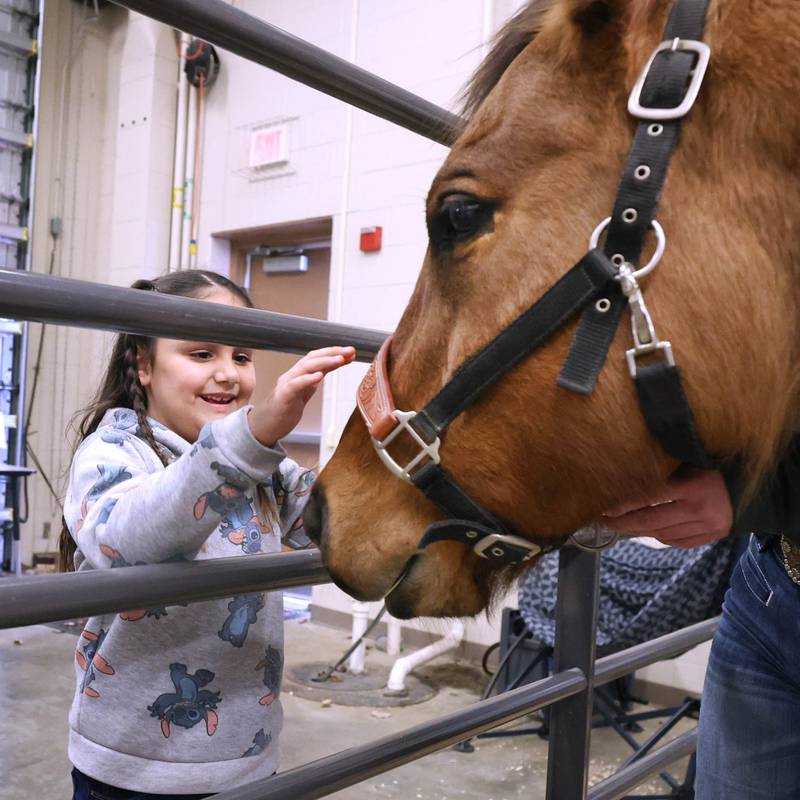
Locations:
{"points": [[314, 515]]}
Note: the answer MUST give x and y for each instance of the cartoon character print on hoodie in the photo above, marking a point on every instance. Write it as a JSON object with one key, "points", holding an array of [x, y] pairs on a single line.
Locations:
{"points": [[206, 441], [244, 610], [105, 513], [272, 664], [125, 425], [260, 743], [240, 523], [189, 703], [296, 538], [90, 660], [110, 476]]}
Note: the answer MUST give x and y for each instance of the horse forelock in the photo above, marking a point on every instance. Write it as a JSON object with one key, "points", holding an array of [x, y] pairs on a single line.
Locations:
{"points": [[507, 44]]}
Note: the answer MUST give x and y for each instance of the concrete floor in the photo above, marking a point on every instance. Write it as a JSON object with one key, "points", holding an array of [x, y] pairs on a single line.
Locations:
{"points": [[36, 685]]}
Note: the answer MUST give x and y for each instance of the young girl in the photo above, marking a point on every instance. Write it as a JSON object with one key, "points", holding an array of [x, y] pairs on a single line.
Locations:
{"points": [[175, 465]]}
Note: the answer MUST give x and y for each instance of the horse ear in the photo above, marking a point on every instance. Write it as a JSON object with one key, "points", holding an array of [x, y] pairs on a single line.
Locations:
{"points": [[595, 16]]}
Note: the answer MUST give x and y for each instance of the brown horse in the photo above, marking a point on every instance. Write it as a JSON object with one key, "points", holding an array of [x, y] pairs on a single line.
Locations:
{"points": [[541, 155]]}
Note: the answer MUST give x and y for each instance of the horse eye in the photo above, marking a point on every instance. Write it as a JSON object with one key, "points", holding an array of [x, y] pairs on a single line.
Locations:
{"points": [[460, 217]]}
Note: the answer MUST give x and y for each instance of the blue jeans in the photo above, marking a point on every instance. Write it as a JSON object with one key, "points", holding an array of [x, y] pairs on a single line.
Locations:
{"points": [[749, 739], [86, 788]]}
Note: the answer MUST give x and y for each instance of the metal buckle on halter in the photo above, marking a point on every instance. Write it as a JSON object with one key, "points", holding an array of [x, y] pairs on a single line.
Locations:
{"points": [[427, 450], [634, 353], [703, 52], [497, 545]]}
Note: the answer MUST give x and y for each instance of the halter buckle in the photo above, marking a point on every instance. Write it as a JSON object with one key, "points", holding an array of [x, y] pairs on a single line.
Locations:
{"points": [[703, 52], [502, 547], [665, 348], [428, 450]]}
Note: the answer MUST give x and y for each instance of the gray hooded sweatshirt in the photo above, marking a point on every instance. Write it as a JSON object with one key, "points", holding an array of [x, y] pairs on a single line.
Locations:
{"points": [[182, 699]]}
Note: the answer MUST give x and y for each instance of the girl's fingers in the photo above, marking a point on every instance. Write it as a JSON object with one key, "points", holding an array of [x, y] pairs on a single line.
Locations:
{"points": [[317, 364], [348, 352], [301, 382]]}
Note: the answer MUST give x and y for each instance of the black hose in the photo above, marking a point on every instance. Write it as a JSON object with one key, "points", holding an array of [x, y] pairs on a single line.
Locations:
{"points": [[326, 673]]}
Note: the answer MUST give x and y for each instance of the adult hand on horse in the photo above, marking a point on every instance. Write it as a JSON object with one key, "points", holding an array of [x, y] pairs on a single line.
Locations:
{"points": [[691, 509]]}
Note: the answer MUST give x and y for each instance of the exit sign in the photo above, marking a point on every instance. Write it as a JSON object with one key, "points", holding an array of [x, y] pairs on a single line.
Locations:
{"points": [[269, 146]]}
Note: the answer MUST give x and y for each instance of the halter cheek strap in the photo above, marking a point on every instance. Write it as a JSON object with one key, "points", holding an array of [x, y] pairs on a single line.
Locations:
{"points": [[469, 522], [599, 288]]}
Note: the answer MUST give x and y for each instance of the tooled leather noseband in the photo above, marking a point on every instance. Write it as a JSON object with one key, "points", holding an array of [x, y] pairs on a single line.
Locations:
{"points": [[598, 288]]}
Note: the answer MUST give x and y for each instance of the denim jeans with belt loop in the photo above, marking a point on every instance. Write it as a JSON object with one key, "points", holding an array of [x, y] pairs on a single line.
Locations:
{"points": [[749, 738]]}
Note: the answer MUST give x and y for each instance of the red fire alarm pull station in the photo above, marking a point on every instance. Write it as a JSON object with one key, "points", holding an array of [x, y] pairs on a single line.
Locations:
{"points": [[371, 239]]}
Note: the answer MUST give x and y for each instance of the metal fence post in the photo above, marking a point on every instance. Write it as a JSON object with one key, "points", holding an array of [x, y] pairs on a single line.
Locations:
{"points": [[570, 719]]}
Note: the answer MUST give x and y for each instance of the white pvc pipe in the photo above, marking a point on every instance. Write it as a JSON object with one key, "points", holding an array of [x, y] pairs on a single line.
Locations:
{"points": [[188, 181], [355, 664], [179, 165], [394, 635], [339, 258], [401, 667]]}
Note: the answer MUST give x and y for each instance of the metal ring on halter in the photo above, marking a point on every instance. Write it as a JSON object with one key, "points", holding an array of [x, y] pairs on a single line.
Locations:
{"points": [[661, 243]]}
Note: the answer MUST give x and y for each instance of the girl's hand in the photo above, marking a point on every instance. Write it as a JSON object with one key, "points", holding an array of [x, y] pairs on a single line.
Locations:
{"points": [[692, 508], [277, 416]]}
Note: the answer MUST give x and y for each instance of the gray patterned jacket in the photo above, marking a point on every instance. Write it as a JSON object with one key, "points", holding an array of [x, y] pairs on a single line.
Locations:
{"points": [[180, 699]]}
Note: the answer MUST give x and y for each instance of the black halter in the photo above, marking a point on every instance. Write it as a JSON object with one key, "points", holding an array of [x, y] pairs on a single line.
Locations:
{"points": [[598, 288]]}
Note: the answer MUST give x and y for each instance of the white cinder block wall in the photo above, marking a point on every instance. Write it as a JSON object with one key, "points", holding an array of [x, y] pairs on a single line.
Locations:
{"points": [[105, 162]]}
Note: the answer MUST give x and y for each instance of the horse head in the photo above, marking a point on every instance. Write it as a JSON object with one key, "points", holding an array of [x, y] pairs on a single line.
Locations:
{"points": [[535, 169]]}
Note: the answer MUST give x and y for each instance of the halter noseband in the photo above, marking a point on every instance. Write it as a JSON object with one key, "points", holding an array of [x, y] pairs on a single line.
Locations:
{"points": [[598, 288]]}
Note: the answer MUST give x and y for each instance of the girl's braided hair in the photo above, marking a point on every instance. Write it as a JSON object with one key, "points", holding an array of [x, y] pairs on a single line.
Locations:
{"points": [[121, 387]]}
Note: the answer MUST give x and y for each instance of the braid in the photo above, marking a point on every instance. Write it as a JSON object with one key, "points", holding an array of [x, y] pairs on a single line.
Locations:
{"points": [[136, 395]]}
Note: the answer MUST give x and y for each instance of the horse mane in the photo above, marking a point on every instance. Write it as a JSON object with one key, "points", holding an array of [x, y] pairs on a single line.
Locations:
{"points": [[521, 29], [507, 44]]}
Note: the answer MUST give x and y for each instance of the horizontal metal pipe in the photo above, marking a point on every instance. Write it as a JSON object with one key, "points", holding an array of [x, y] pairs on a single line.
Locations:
{"points": [[672, 644], [83, 304], [337, 771], [47, 598], [621, 782], [249, 37]]}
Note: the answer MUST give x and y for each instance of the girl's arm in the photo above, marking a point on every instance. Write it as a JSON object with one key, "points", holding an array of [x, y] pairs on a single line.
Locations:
{"points": [[123, 509]]}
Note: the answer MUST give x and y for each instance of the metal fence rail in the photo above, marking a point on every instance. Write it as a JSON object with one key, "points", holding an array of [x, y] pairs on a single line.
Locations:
{"points": [[46, 598], [83, 304], [329, 774], [627, 778], [615, 666], [248, 36]]}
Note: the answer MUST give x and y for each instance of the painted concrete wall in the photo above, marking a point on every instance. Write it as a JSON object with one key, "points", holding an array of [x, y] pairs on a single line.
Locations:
{"points": [[107, 117]]}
